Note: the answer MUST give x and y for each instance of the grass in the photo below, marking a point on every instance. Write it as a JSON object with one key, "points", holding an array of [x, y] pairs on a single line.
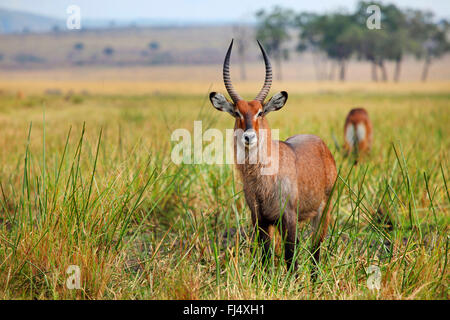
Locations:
{"points": [[88, 181]]}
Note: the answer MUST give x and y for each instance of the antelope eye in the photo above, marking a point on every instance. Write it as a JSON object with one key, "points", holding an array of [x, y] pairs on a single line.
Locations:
{"points": [[237, 115], [259, 114]]}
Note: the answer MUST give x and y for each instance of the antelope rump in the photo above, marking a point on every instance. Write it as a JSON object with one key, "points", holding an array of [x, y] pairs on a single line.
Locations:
{"points": [[358, 131]]}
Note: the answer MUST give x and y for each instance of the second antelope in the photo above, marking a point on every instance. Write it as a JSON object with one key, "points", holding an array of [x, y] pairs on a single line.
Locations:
{"points": [[301, 186], [358, 132]]}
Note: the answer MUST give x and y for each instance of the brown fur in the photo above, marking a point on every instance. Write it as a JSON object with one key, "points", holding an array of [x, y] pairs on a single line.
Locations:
{"points": [[303, 183], [357, 116]]}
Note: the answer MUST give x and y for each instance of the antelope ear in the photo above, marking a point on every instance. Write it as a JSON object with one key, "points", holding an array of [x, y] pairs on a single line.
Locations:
{"points": [[221, 103], [276, 102]]}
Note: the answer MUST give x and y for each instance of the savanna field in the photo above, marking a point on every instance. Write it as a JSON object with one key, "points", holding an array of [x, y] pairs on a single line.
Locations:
{"points": [[86, 179]]}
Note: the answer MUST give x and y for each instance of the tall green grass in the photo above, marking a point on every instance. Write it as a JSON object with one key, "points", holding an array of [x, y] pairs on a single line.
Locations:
{"points": [[92, 184]]}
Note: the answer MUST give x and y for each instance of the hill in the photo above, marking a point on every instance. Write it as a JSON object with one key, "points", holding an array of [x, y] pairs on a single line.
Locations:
{"points": [[17, 21], [118, 46]]}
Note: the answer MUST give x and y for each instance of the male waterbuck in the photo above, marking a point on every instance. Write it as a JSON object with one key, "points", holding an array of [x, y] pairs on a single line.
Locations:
{"points": [[302, 184], [358, 132]]}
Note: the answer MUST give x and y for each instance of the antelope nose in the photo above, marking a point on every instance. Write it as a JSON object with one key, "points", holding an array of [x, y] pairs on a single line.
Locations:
{"points": [[249, 137]]}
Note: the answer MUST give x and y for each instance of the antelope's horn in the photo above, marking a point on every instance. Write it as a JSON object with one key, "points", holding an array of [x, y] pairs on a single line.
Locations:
{"points": [[268, 80], [226, 76]]}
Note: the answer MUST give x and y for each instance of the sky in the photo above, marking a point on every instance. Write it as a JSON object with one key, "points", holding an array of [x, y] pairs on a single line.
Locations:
{"points": [[196, 10]]}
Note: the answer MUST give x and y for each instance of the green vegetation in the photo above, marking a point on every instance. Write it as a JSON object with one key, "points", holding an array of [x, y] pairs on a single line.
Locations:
{"points": [[342, 35], [90, 183]]}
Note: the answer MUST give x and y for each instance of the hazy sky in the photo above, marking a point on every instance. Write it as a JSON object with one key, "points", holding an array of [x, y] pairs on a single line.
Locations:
{"points": [[199, 10]]}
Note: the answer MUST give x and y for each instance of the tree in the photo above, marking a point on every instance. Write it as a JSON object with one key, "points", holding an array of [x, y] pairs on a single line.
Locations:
{"points": [[310, 38], [336, 34], [397, 40], [435, 46], [391, 42], [372, 48], [79, 46], [432, 39], [397, 46], [108, 51], [345, 44], [341, 35], [154, 45], [273, 31]]}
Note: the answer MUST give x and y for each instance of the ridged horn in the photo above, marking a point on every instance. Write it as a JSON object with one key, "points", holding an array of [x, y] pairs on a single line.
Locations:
{"points": [[268, 80], [226, 76]]}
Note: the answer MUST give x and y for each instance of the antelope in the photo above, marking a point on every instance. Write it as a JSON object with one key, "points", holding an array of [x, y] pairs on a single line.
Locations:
{"points": [[299, 189], [358, 131]]}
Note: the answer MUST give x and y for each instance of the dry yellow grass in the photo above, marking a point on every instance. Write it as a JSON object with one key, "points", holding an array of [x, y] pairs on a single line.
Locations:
{"points": [[90, 218], [247, 89]]}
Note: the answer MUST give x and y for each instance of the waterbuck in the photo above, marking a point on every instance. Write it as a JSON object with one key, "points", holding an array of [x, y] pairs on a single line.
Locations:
{"points": [[302, 184], [358, 132]]}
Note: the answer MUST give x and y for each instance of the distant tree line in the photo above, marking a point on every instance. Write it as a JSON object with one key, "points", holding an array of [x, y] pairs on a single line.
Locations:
{"points": [[340, 36], [109, 51]]}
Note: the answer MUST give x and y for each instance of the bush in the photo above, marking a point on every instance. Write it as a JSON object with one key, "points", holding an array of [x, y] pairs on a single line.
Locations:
{"points": [[28, 58]]}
